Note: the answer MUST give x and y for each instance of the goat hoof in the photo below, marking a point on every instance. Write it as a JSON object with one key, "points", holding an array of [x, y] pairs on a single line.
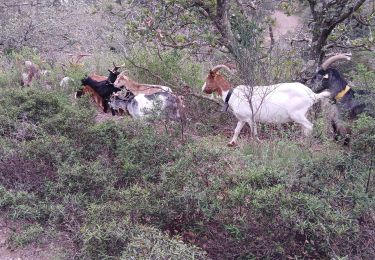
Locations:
{"points": [[231, 144]]}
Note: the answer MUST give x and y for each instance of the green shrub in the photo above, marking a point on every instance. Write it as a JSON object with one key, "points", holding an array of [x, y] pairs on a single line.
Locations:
{"points": [[171, 67], [27, 235], [114, 239], [90, 180], [116, 186], [150, 243]]}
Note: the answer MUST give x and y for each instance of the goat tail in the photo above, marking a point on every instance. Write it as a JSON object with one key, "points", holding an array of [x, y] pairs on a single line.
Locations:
{"points": [[324, 94]]}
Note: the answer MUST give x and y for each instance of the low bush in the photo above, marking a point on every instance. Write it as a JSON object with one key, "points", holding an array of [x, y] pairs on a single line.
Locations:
{"points": [[122, 240], [128, 189], [27, 235]]}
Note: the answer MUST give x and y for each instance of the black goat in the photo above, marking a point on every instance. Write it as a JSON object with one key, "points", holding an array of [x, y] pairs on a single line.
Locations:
{"points": [[113, 73], [344, 98], [111, 79], [101, 82], [103, 88], [342, 95]]}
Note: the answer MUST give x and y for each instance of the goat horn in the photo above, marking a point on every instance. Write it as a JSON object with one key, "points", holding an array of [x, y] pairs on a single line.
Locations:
{"points": [[124, 72], [341, 56], [114, 64], [221, 66], [116, 68], [231, 65]]}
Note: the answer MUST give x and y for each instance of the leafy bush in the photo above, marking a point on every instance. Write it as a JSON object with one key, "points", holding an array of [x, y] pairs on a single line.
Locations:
{"points": [[171, 67], [150, 243], [28, 234], [115, 239], [131, 189]]}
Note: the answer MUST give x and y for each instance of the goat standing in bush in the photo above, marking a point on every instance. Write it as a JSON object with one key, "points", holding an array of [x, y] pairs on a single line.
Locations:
{"points": [[138, 88], [102, 88], [141, 105], [102, 97], [141, 98], [31, 72], [280, 103], [345, 104]]}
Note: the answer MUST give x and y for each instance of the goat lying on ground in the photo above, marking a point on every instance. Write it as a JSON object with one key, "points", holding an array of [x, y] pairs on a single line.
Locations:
{"points": [[138, 88], [158, 104], [345, 102], [281, 103]]}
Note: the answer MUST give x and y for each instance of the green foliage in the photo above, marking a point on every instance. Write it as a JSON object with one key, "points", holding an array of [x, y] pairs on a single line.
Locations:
{"points": [[173, 68], [365, 134], [114, 239], [129, 189], [27, 235], [150, 243]]}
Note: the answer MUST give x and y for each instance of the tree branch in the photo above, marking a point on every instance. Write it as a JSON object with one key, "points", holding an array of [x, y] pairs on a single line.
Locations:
{"points": [[347, 14]]}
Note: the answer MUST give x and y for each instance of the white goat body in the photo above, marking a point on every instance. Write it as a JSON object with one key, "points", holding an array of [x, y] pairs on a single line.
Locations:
{"points": [[273, 104], [142, 105], [281, 103]]}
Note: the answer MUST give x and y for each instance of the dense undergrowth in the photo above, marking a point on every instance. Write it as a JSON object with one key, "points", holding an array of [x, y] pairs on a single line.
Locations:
{"points": [[133, 190]]}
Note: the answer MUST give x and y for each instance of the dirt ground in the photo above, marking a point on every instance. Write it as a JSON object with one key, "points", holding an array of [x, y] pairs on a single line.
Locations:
{"points": [[285, 24]]}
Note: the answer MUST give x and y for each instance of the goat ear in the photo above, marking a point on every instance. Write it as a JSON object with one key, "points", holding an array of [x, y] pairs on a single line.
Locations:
{"points": [[326, 76]]}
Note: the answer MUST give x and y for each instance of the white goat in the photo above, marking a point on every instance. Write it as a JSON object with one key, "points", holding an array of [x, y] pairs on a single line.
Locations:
{"points": [[280, 103]]}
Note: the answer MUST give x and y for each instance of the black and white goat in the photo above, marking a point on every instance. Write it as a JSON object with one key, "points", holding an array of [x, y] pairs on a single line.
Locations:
{"points": [[341, 93], [142, 105], [345, 102]]}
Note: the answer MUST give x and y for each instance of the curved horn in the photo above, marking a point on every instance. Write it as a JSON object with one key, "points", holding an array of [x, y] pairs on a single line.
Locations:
{"points": [[218, 67], [123, 73], [82, 55], [117, 67], [341, 56]]}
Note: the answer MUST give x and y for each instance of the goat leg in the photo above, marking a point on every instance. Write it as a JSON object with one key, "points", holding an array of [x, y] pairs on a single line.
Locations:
{"points": [[237, 132]]}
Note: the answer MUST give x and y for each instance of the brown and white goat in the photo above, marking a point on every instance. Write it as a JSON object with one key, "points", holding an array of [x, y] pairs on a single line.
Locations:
{"points": [[138, 88], [280, 103]]}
